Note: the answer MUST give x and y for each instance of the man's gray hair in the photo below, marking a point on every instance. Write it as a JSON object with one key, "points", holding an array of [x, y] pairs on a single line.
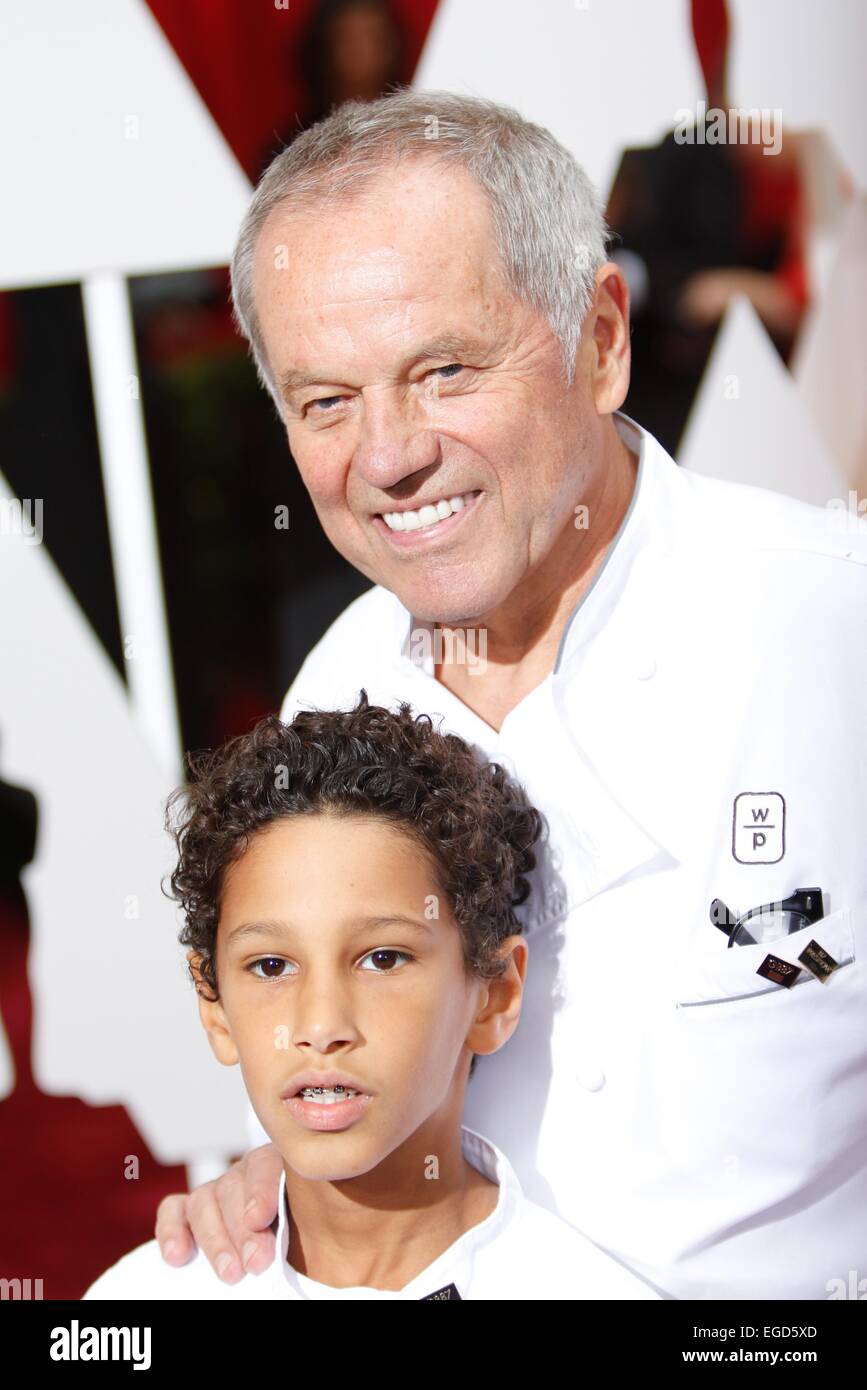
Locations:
{"points": [[548, 218]]}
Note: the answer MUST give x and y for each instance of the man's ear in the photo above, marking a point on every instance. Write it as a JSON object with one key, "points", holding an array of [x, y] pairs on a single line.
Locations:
{"points": [[213, 1017], [611, 348]]}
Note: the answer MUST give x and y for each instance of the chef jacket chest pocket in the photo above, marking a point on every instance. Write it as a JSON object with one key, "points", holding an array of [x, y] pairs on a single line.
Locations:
{"points": [[715, 976]]}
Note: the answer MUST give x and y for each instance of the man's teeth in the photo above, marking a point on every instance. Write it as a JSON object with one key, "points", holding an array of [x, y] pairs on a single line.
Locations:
{"points": [[327, 1095], [426, 516]]}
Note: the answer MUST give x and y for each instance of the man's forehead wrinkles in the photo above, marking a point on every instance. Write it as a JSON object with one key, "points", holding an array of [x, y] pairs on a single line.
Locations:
{"points": [[382, 274], [374, 298], [379, 269]]}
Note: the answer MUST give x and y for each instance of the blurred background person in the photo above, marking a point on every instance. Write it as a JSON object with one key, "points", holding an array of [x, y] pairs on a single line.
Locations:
{"points": [[352, 50], [696, 223]]}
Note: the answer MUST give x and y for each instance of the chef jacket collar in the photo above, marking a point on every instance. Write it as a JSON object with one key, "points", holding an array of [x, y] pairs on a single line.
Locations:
{"points": [[608, 582], [455, 1265]]}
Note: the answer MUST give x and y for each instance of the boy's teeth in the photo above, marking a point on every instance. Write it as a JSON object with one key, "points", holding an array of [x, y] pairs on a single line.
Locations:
{"points": [[428, 515], [327, 1095]]}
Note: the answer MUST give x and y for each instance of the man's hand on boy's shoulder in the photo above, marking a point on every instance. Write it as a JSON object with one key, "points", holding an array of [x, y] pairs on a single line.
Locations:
{"points": [[228, 1218]]}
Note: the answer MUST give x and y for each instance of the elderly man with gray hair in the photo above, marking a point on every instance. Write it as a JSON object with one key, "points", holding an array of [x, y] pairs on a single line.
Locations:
{"points": [[674, 666]]}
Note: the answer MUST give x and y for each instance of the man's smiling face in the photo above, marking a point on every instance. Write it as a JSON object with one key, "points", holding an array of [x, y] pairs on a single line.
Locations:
{"points": [[412, 376]]}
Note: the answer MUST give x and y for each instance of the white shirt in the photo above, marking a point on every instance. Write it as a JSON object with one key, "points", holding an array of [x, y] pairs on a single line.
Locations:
{"points": [[702, 1123], [520, 1251]]}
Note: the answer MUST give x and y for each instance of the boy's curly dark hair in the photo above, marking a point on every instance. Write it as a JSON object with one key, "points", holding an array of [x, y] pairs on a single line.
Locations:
{"points": [[474, 821]]}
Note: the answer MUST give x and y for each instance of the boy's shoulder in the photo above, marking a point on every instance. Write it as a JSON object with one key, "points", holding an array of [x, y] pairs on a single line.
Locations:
{"points": [[144, 1274], [538, 1256], [542, 1257]]}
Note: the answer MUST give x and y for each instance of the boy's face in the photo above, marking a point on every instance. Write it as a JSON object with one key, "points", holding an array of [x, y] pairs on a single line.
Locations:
{"points": [[354, 965]]}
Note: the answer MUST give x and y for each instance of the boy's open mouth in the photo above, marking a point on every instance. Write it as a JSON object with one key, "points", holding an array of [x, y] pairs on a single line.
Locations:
{"points": [[324, 1086], [328, 1108], [327, 1095]]}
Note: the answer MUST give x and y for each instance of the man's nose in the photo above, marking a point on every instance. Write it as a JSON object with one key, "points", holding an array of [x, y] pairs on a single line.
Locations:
{"points": [[395, 440]]}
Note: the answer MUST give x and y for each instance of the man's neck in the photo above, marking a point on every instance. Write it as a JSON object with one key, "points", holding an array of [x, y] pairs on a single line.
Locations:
{"points": [[522, 638], [383, 1228]]}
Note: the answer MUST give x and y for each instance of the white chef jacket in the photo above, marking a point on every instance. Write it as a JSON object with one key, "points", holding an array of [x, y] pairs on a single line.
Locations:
{"points": [[699, 1121], [519, 1251]]}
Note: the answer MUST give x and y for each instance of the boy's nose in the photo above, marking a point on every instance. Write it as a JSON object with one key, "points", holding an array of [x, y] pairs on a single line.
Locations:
{"points": [[323, 1018]]}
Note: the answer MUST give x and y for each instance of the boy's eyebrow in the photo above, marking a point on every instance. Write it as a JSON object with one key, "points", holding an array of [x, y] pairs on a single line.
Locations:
{"points": [[363, 924], [443, 345]]}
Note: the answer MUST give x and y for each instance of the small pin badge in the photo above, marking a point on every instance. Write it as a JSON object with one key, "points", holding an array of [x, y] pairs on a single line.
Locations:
{"points": [[448, 1291], [780, 971], [817, 959]]}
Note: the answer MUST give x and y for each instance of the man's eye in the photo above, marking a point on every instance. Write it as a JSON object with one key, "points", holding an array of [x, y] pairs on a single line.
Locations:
{"points": [[385, 959], [267, 961], [321, 401], [451, 368]]}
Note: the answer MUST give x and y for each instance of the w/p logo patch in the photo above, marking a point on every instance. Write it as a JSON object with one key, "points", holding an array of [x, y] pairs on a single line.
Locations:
{"points": [[759, 828]]}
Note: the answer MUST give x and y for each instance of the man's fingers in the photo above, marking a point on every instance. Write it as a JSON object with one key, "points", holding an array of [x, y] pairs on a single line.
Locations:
{"points": [[227, 1218], [248, 1200], [172, 1230], [209, 1231], [262, 1170]]}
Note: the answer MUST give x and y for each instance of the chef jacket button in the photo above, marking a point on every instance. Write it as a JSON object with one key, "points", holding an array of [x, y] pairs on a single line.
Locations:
{"points": [[590, 1078], [645, 666]]}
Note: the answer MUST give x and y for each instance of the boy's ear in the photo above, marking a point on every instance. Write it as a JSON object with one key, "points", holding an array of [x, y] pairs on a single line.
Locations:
{"points": [[213, 1018], [500, 1000]]}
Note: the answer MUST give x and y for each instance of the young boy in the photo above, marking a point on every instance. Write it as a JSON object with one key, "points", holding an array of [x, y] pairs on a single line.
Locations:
{"points": [[349, 883]]}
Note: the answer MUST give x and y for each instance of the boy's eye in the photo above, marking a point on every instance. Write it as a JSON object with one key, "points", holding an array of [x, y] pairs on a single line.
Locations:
{"points": [[384, 956], [267, 961], [386, 961]]}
